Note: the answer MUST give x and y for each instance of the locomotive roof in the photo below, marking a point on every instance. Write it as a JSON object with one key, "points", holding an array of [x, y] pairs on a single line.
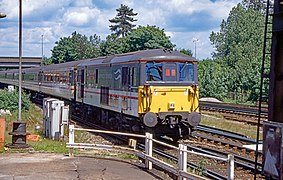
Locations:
{"points": [[152, 55], [62, 65], [31, 70], [145, 55]]}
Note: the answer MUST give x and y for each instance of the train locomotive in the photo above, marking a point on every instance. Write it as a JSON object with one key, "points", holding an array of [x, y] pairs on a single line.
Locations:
{"points": [[151, 90]]}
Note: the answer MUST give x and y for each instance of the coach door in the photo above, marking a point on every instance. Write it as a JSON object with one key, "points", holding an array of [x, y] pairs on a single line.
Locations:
{"points": [[125, 87], [81, 81], [72, 83], [104, 98]]}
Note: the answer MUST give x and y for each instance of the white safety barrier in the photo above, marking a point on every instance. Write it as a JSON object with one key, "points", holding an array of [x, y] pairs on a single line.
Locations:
{"points": [[180, 171]]}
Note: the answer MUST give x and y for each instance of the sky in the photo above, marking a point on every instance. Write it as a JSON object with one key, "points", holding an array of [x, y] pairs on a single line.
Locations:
{"points": [[187, 22]]}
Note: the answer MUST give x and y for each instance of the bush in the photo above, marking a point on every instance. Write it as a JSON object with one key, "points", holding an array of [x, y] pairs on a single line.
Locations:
{"points": [[9, 100]]}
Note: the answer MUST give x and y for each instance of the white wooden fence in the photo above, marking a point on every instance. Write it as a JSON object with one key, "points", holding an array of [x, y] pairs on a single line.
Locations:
{"points": [[180, 171]]}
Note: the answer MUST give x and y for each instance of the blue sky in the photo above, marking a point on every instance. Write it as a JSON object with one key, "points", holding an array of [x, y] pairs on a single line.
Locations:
{"points": [[182, 20]]}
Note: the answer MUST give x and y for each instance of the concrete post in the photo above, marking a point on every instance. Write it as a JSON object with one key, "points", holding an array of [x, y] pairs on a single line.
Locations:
{"points": [[230, 166], [182, 160], [148, 149], [71, 139]]}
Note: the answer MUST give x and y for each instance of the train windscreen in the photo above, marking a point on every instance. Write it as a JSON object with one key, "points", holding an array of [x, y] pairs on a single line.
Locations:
{"points": [[169, 71]]}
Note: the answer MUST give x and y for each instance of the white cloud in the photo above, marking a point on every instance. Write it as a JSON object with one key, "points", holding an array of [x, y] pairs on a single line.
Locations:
{"points": [[83, 3], [180, 19], [154, 16], [81, 16]]}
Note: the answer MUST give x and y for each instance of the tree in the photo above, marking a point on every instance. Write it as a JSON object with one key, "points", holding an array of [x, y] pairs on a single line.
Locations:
{"points": [[213, 79], [148, 37], [186, 51], [112, 45], [75, 47], [123, 21], [239, 47]]}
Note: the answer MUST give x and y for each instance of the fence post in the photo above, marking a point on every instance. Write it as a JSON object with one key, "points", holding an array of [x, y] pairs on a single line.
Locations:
{"points": [[71, 139], [148, 150], [230, 166], [182, 160]]}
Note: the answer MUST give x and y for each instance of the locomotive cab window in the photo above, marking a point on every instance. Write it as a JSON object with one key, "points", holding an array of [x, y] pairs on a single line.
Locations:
{"points": [[170, 71], [186, 72], [154, 71]]}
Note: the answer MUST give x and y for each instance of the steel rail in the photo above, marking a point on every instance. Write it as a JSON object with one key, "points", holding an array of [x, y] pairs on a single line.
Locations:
{"points": [[227, 134], [232, 107]]}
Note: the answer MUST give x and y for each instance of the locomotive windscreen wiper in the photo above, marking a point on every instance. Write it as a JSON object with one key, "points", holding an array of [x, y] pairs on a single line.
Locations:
{"points": [[183, 67], [158, 69]]}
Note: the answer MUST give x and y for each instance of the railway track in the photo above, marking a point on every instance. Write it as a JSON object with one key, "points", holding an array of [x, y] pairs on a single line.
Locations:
{"points": [[218, 142], [241, 113], [210, 168], [244, 164]]}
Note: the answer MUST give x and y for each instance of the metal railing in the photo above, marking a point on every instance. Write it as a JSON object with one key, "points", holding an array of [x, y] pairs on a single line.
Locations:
{"points": [[180, 170]]}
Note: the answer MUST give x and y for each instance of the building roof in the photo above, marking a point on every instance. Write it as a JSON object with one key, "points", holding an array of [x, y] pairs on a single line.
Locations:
{"points": [[13, 62]]}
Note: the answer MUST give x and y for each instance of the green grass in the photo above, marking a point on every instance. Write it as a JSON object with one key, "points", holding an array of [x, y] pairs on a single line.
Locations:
{"points": [[221, 123], [47, 145], [32, 118]]}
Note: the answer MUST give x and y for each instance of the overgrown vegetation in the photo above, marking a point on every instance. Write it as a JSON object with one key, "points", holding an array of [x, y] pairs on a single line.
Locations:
{"points": [[9, 100], [32, 116]]}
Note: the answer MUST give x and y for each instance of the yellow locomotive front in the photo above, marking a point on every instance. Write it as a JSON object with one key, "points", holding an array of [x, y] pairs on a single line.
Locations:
{"points": [[168, 101]]}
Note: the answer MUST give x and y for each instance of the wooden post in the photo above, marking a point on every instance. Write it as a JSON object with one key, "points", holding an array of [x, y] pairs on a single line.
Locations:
{"points": [[2, 132]]}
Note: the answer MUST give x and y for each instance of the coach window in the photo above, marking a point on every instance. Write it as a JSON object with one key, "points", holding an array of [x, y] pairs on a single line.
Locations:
{"points": [[71, 77], [96, 76], [40, 77], [23, 77], [134, 76]]}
